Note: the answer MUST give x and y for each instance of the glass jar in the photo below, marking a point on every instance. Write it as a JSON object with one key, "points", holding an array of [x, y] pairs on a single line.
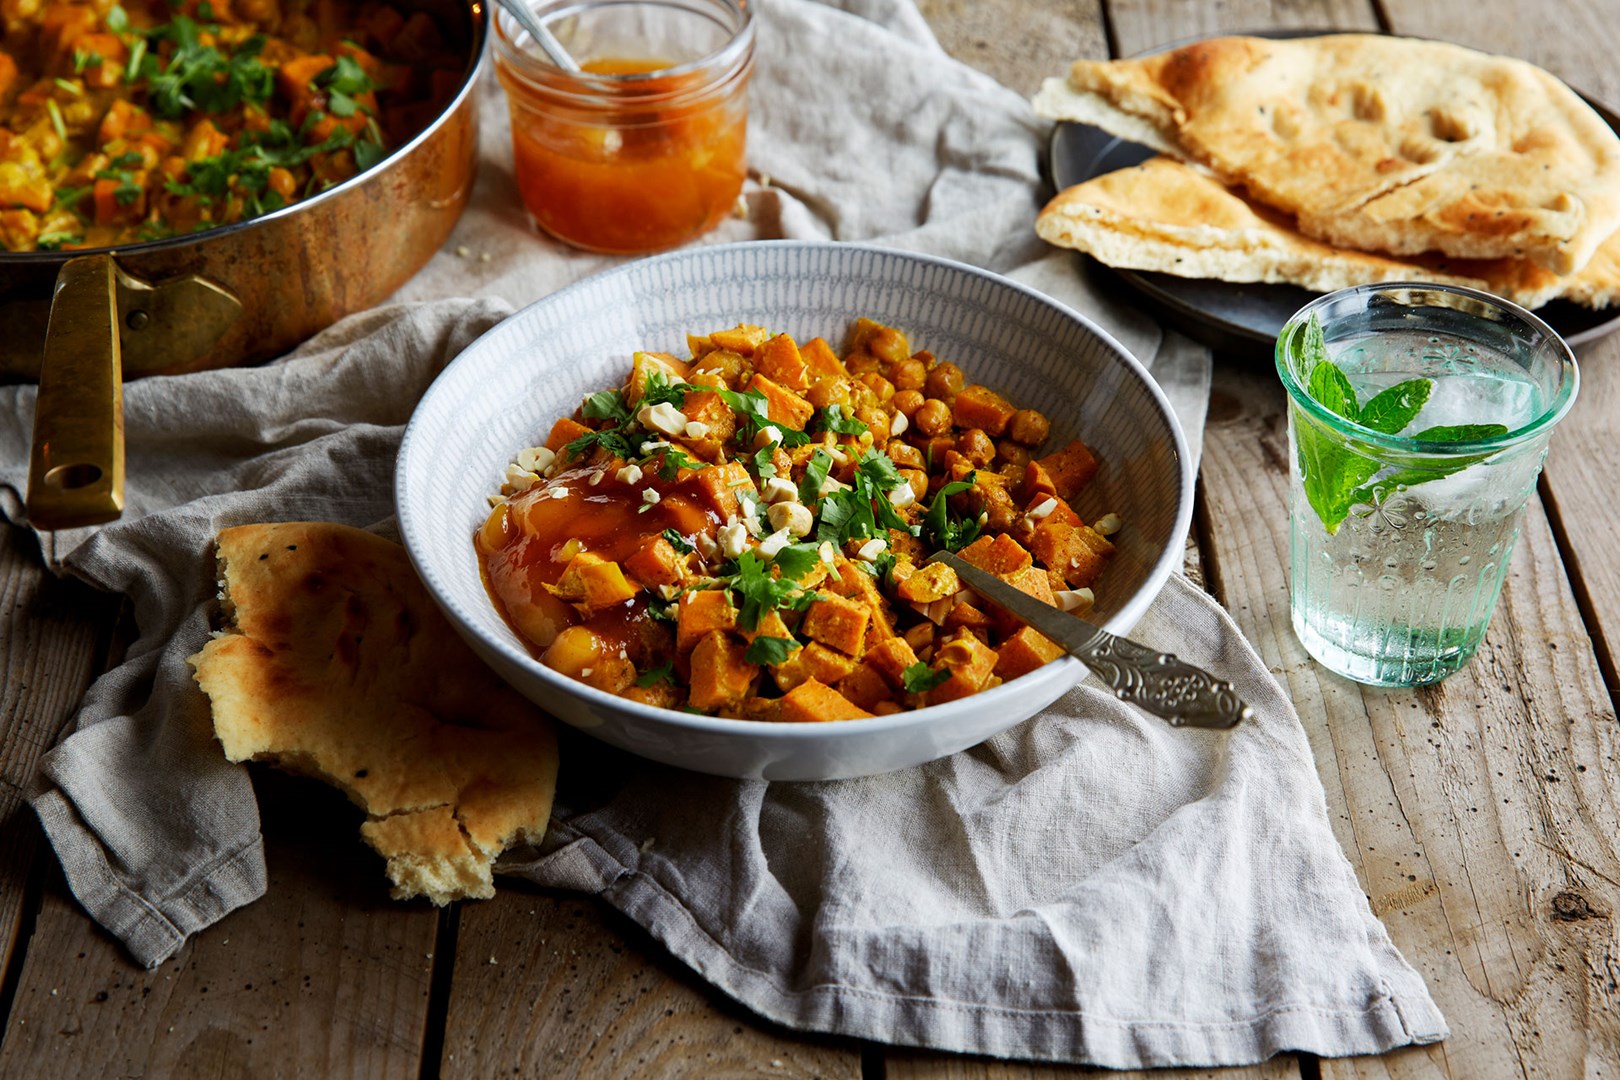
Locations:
{"points": [[643, 148]]}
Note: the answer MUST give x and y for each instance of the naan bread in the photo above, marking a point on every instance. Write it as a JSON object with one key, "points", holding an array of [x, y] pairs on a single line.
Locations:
{"points": [[338, 665], [1372, 142], [1174, 218]]}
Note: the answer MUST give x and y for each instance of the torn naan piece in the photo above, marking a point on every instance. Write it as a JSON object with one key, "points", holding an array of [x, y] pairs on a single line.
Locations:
{"points": [[337, 665], [1373, 142], [1173, 218]]}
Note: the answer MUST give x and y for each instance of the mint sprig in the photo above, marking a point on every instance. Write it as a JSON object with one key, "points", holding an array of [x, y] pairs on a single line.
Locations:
{"points": [[1336, 478]]}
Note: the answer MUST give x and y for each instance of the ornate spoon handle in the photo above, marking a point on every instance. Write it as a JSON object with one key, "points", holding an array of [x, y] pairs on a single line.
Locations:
{"points": [[1156, 681]]}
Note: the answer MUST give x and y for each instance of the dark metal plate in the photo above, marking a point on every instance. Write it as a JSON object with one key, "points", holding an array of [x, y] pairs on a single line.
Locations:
{"points": [[1233, 316]]}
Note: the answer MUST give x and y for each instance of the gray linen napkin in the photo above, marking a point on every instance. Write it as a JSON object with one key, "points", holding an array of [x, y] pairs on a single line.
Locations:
{"points": [[1029, 898]]}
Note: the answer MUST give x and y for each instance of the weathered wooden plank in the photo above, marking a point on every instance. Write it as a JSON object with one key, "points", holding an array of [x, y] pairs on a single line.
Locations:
{"points": [[325, 976], [1144, 24], [552, 985], [1017, 44], [1480, 814], [50, 634], [941, 1067]]}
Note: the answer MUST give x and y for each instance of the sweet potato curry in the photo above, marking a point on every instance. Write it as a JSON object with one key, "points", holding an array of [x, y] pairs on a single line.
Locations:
{"points": [[742, 533], [120, 124]]}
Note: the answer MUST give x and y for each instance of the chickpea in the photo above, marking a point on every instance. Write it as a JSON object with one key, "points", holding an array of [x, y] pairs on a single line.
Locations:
{"points": [[1016, 454], [874, 418], [904, 454], [860, 363], [908, 374], [828, 391], [945, 381], [907, 401], [976, 446], [883, 388], [933, 418], [887, 343], [1029, 427]]}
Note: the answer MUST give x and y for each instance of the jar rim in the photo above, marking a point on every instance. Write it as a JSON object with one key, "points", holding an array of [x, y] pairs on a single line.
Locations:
{"points": [[1550, 415], [533, 68]]}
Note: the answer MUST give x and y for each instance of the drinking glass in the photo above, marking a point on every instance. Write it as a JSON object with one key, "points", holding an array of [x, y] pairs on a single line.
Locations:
{"points": [[1418, 420]]}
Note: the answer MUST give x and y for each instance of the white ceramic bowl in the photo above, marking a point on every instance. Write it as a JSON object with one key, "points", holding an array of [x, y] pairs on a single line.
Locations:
{"points": [[503, 393]]}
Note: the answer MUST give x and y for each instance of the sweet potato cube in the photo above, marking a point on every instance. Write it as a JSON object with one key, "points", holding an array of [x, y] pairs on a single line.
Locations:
{"points": [[1059, 511], [1037, 484], [1071, 468], [770, 625], [815, 702], [742, 338], [721, 485], [819, 357], [656, 562], [1032, 580], [642, 367], [701, 612], [571, 585], [824, 664], [857, 585], [784, 406], [605, 585], [933, 582], [721, 677], [722, 367], [999, 554], [563, 432], [779, 360], [708, 408], [1024, 651], [1075, 551], [970, 662], [981, 407], [865, 686], [891, 658], [963, 613], [837, 623]]}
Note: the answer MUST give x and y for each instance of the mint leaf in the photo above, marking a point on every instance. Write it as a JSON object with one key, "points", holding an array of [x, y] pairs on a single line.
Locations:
{"points": [[1461, 432], [1391, 410], [1329, 473], [1332, 390], [770, 651]]}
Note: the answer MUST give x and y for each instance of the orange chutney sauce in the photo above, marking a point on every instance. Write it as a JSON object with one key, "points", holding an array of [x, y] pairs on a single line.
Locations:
{"points": [[529, 545], [635, 179]]}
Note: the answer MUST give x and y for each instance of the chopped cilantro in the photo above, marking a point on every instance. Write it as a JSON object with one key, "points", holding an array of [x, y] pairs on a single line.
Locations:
{"points": [[670, 460], [919, 678], [815, 477], [664, 672], [832, 419], [53, 241], [770, 651], [763, 465], [657, 389], [678, 542], [610, 440], [753, 408], [606, 405], [796, 560], [948, 533], [201, 77], [863, 509], [759, 592]]}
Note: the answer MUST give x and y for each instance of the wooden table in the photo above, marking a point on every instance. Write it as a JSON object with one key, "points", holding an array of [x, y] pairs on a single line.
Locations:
{"points": [[1481, 814]]}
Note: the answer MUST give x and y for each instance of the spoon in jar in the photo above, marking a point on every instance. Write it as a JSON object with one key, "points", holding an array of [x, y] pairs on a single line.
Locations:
{"points": [[541, 35]]}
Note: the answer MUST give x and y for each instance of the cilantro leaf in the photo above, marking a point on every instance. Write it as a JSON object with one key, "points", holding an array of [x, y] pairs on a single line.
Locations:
{"points": [[610, 440], [759, 592], [606, 405], [815, 477], [753, 407], [678, 542], [832, 419], [950, 533], [664, 672], [919, 678], [657, 389], [770, 651], [796, 560]]}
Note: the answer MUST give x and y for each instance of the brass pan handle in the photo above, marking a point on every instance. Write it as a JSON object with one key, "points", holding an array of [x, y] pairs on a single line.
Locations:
{"points": [[76, 473]]}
